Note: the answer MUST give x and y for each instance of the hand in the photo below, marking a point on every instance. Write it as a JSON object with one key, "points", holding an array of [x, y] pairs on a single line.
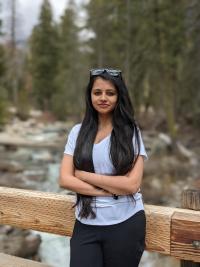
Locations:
{"points": [[78, 174]]}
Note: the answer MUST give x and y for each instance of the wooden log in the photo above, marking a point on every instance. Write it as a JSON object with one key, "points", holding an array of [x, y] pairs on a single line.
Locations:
{"points": [[53, 213], [185, 234], [12, 261], [188, 264], [42, 211], [190, 199], [16, 142], [158, 229]]}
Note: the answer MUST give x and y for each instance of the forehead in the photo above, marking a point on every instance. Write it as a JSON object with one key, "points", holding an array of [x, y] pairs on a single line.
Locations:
{"points": [[100, 83]]}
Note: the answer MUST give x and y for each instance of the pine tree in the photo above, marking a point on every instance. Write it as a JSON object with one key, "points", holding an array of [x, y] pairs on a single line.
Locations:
{"points": [[68, 81], [190, 86], [107, 20], [44, 54], [118, 41], [171, 43], [156, 44], [2, 87], [2, 65]]}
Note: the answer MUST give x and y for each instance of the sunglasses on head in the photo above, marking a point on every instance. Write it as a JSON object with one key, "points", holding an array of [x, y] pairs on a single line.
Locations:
{"points": [[112, 72]]}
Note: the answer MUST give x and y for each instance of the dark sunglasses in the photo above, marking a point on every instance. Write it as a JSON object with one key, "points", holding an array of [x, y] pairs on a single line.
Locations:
{"points": [[112, 72]]}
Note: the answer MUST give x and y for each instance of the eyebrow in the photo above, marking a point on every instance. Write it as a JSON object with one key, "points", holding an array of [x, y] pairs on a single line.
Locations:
{"points": [[111, 89]]}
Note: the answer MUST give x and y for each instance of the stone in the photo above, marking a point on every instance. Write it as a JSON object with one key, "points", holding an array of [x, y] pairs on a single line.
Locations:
{"points": [[11, 166], [18, 242], [184, 151]]}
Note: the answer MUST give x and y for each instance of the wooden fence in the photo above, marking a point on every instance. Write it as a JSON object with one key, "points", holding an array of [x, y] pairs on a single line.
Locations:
{"points": [[170, 231]]}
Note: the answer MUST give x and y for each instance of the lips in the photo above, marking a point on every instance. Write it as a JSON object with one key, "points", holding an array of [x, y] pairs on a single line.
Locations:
{"points": [[103, 105]]}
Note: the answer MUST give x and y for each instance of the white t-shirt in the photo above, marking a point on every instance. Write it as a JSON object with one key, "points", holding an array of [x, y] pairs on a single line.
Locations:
{"points": [[108, 210]]}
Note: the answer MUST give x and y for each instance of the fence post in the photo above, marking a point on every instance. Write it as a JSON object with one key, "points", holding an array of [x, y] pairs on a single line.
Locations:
{"points": [[190, 199]]}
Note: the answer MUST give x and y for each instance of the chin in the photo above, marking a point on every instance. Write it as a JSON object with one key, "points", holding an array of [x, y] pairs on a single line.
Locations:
{"points": [[104, 112]]}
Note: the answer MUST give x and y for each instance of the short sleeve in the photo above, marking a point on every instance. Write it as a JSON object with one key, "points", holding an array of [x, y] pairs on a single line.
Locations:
{"points": [[71, 140], [142, 147]]}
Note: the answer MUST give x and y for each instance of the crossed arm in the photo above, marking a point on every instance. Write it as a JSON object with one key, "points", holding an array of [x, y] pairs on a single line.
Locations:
{"points": [[93, 184]]}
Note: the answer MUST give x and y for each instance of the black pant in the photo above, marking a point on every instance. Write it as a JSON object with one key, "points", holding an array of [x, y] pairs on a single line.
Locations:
{"points": [[119, 245]]}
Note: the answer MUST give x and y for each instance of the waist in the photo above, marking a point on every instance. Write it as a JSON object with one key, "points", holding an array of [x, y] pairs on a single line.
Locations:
{"points": [[110, 211], [108, 201]]}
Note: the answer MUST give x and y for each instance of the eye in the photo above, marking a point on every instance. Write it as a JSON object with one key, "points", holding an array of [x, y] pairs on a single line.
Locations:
{"points": [[97, 93], [110, 93]]}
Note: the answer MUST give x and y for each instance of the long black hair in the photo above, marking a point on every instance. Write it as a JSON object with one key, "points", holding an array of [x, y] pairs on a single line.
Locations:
{"points": [[123, 153]]}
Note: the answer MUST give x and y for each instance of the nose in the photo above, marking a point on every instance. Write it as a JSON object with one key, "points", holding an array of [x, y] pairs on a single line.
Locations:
{"points": [[103, 97]]}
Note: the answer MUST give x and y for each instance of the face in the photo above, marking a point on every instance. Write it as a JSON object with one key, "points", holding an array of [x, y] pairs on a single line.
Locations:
{"points": [[104, 96]]}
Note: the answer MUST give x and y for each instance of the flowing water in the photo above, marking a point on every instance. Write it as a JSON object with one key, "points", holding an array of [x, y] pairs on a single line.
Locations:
{"points": [[54, 249]]}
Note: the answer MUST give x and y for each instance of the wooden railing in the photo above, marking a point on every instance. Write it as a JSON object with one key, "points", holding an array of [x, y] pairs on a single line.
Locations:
{"points": [[170, 231]]}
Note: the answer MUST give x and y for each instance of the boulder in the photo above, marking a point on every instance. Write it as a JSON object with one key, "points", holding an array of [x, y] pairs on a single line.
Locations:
{"points": [[16, 180], [10, 166], [18, 242]]}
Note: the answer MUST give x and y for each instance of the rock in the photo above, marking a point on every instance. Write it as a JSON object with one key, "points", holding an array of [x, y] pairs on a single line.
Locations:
{"points": [[38, 175], [156, 184], [10, 166], [165, 178], [165, 138], [16, 180], [160, 191], [154, 259], [186, 153], [12, 110], [161, 145], [21, 154], [42, 137], [5, 229], [194, 161], [2, 128], [17, 242], [194, 183], [168, 165], [42, 156], [152, 190], [56, 127], [174, 168], [35, 113], [32, 242]]}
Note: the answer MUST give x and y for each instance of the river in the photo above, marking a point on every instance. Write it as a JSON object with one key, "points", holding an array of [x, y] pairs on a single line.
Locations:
{"points": [[54, 249]]}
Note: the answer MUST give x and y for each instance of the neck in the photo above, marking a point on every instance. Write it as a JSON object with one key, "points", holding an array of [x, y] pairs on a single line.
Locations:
{"points": [[104, 120]]}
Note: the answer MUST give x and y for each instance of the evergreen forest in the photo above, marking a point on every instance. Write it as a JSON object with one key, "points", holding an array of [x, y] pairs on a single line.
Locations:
{"points": [[155, 43]]}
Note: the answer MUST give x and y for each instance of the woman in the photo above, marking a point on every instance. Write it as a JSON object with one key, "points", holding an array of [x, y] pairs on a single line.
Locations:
{"points": [[103, 164]]}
